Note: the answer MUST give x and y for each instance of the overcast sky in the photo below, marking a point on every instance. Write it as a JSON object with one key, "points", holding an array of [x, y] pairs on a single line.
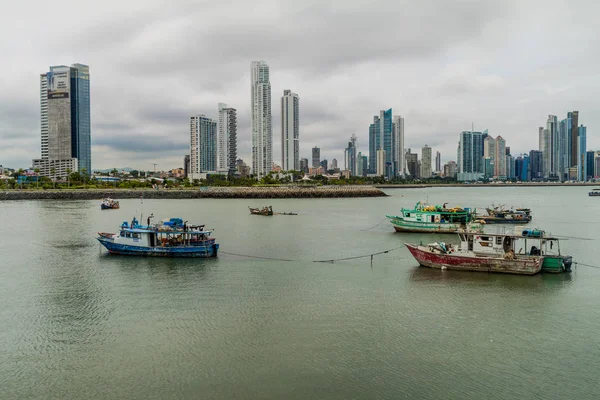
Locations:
{"points": [[442, 65]]}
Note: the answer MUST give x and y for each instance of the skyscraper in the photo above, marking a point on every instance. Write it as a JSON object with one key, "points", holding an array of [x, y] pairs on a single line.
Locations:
{"points": [[304, 165], [500, 167], [426, 162], [589, 164], [227, 139], [412, 165], [262, 131], [290, 131], [536, 165], [316, 157], [203, 146], [581, 153], [552, 128], [383, 135], [438, 161], [470, 152], [398, 129], [350, 156], [65, 124], [574, 136]]}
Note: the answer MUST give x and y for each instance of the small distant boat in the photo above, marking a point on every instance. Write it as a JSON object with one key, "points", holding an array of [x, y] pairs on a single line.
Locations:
{"points": [[504, 253], [498, 215], [266, 211], [109, 204], [594, 192], [171, 238], [435, 219]]}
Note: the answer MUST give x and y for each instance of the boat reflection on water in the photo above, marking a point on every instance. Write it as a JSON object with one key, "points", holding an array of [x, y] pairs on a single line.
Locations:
{"points": [[432, 277]]}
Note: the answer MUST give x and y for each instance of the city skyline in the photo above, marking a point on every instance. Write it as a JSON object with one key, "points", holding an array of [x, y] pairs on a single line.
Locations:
{"points": [[440, 81]]}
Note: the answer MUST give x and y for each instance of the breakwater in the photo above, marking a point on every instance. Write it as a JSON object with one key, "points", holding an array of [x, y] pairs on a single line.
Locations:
{"points": [[256, 192]]}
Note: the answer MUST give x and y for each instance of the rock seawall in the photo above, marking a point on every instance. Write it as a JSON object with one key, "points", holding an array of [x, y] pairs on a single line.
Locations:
{"points": [[291, 192]]}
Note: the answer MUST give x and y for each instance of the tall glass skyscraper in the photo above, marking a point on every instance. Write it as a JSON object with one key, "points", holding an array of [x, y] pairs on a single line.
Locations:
{"points": [[65, 121], [80, 119], [384, 135], [470, 152]]}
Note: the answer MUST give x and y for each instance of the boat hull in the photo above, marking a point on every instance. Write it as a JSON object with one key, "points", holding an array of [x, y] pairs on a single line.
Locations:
{"points": [[497, 220], [457, 262], [421, 227], [205, 251], [105, 207]]}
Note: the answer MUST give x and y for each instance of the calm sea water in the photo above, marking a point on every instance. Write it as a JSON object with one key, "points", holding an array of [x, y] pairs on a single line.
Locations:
{"points": [[76, 323]]}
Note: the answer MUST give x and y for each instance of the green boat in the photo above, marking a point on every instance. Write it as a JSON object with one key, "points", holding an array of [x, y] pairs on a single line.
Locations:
{"points": [[424, 218]]}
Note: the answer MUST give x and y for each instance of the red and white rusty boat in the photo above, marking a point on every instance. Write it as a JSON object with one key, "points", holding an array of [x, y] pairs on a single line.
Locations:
{"points": [[487, 252]]}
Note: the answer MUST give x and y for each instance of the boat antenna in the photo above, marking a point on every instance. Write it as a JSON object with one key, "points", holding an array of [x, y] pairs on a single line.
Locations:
{"points": [[142, 213]]}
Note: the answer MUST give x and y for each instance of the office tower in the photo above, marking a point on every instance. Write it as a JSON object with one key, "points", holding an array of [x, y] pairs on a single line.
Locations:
{"points": [[65, 122], [574, 136], [350, 156], [398, 129], [470, 152], [323, 164], [500, 167], [450, 169], [290, 131], [563, 149], [203, 149], [186, 165], [304, 165], [426, 162], [581, 153], [381, 164], [316, 157], [262, 132], [412, 165], [382, 136], [334, 164], [438, 161], [227, 139], [536, 165], [589, 164]]}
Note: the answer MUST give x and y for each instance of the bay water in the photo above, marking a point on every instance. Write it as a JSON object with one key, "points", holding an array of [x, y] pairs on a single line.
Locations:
{"points": [[77, 323]]}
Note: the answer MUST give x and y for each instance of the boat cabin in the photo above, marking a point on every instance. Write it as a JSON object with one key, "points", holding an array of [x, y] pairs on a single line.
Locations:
{"points": [[532, 242]]}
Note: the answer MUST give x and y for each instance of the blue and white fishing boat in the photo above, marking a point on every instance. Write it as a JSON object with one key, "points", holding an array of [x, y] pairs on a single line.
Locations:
{"points": [[171, 238]]}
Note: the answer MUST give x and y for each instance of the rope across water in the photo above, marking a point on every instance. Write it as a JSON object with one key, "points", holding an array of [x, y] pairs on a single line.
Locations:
{"points": [[314, 261]]}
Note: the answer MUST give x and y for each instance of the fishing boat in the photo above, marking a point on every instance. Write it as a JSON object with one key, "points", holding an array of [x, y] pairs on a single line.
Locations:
{"points": [[594, 192], [435, 219], [501, 252], [169, 238], [109, 204], [499, 215], [261, 211]]}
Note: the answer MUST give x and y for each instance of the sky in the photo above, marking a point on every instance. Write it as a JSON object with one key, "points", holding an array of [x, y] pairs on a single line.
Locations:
{"points": [[500, 65]]}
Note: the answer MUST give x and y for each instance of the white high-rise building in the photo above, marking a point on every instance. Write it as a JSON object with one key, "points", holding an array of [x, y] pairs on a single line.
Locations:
{"points": [[290, 131], [398, 133], [262, 130], [203, 146], [226, 139]]}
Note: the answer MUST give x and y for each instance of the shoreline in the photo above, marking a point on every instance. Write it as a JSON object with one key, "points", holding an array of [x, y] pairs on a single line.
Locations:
{"points": [[212, 192], [434, 185]]}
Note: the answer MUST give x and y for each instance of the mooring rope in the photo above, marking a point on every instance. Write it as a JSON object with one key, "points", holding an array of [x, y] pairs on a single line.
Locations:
{"points": [[314, 261], [377, 224], [586, 265]]}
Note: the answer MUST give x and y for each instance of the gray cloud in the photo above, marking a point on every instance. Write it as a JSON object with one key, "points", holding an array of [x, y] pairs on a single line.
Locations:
{"points": [[442, 65]]}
